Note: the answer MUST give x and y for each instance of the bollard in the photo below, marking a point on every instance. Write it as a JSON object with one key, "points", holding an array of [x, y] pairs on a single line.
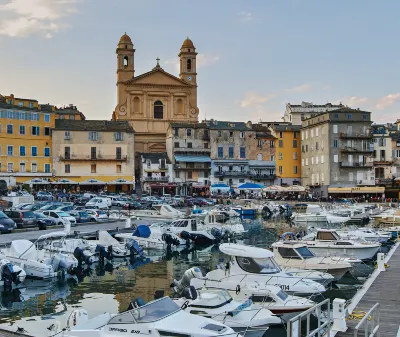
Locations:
{"points": [[128, 223], [380, 260], [339, 315]]}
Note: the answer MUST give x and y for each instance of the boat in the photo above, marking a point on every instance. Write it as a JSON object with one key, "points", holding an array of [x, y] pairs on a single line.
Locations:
{"points": [[161, 211], [270, 297], [315, 215], [250, 265], [10, 275], [218, 304], [79, 248], [292, 254], [224, 220], [367, 234], [195, 231], [248, 209], [327, 242], [110, 247], [162, 317]]}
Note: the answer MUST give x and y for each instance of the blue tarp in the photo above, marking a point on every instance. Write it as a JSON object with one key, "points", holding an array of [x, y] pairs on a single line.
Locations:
{"points": [[142, 231], [250, 186]]}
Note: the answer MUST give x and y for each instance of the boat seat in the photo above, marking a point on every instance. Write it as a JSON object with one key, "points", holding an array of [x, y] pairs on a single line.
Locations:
{"points": [[94, 323]]}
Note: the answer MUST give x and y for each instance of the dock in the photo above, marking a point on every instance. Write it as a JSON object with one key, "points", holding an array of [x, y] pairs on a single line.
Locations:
{"points": [[385, 290]]}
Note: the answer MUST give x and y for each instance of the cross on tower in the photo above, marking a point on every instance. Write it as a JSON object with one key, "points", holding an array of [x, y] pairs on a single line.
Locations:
{"points": [[158, 61]]}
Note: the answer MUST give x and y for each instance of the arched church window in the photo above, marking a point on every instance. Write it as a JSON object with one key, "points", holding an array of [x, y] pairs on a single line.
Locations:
{"points": [[179, 107], [158, 110], [125, 61], [189, 65], [136, 104]]}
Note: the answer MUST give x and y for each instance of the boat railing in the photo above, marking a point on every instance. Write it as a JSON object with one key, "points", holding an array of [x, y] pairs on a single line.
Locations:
{"points": [[322, 311], [369, 324]]}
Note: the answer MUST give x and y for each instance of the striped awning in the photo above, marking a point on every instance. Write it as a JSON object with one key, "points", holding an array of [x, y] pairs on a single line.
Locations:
{"points": [[192, 159]]}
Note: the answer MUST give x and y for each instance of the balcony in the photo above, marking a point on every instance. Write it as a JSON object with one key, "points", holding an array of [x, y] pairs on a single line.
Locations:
{"points": [[355, 150], [162, 178], [354, 164], [197, 167], [90, 158], [192, 149], [263, 176], [382, 161], [352, 135], [232, 174]]}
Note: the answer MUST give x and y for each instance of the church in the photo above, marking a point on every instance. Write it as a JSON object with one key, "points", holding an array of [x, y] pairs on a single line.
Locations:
{"points": [[152, 100]]}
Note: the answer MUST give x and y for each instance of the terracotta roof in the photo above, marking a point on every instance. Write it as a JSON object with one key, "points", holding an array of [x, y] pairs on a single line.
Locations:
{"points": [[125, 39], [93, 125], [188, 43]]}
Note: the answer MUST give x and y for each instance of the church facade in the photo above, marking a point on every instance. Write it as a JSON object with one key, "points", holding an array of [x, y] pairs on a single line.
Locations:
{"points": [[156, 98]]}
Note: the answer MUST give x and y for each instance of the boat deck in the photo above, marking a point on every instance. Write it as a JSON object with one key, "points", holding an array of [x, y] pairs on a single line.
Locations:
{"points": [[385, 290]]}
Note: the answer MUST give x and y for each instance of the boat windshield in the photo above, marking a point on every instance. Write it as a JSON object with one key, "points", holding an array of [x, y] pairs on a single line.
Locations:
{"points": [[282, 295], [305, 252], [258, 266], [151, 312], [212, 298]]}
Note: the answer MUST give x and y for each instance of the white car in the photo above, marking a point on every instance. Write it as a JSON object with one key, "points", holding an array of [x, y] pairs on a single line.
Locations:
{"points": [[102, 203], [23, 206], [60, 217], [97, 215]]}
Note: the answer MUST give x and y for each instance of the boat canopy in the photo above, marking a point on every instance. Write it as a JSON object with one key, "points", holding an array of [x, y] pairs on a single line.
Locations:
{"points": [[106, 239], [234, 249], [142, 231], [23, 247]]}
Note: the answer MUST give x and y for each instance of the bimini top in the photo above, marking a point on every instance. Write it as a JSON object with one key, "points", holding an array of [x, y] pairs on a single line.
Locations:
{"points": [[234, 249]]}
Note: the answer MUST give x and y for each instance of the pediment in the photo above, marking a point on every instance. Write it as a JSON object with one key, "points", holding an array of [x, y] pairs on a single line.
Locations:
{"points": [[157, 77]]}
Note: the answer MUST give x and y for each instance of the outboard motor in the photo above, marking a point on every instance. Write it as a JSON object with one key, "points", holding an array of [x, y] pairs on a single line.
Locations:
{"points": [[187, 237], [184, 282], [217, 233], [8, 276], [266, 212], [134, 248], [103, 253], [170, 240], [80, 256], [190, 293]]}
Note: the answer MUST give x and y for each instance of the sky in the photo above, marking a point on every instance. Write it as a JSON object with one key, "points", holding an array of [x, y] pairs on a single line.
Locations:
{"points": [[254, 56]]}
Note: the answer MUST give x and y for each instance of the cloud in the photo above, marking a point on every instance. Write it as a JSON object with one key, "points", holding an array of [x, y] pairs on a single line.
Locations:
{"points": [[202, 61], [27, 17], [355, 101], [387, 101], [301, 88], [255, 100], [245, 16]]}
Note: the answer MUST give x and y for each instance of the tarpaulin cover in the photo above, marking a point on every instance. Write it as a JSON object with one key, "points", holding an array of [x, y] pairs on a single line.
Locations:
{"points": [[142, 231]]}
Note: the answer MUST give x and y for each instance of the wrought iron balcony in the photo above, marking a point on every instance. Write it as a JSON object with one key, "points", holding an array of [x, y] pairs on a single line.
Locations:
{"points": [[366, 135], [263, 176], [197, 167], [232, 174], [355, 164], [355, 150], [93, 158], [162, 178]]}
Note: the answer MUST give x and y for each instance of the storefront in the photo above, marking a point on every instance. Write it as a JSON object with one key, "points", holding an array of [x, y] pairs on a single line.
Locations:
{"points": [[162, 188], [353, 192]]}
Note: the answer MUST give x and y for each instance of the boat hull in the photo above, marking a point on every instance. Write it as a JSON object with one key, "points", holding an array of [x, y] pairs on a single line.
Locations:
{"points": [[364, 253]]}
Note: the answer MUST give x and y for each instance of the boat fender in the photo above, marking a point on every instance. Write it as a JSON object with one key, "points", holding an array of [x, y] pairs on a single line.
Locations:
{"points": [[185, 305], [237, 291]]}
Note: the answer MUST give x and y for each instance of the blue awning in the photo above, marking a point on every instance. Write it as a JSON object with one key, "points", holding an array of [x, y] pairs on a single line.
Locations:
{"points": [[193, 159], [250, 186]]}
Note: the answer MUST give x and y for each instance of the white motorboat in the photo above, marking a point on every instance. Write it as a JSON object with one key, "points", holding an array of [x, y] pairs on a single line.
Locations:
{"points": [[224, 220], [315, 215], [263, 296], [292, 254], [161, 211], [367, 234], [110, 247], [327, 242], [161, 317], [219, 305], [193, 230], [79, 248], [251, 265]]}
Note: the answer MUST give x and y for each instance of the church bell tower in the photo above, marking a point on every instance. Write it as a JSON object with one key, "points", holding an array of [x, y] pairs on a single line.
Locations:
{"points": [[188, 62], [125, 59]]}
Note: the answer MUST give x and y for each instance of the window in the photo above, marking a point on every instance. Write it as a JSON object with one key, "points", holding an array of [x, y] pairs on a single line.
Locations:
{"points": [[230, 133], [67, 168], [47, 152], [306, 134], [312, 133], [335, 143], [118, 153], [176, 132], [280, 142], [230, 169], [351, 176], [306, 161], [312, 160], [271, 144], [189, 145], [219, 133], [335, 116], [47, 168], [34, 116], [302, 135], [316, 132], [190, 175], [47, 118], [316, 146], [158, 110], [93, 168], [295, 155], [280, 134], [93, 153], [294, 143], [189, 65], [34, 151], [22, 167], [67, 152], [349, 116], [176, 144], [231, 151], [365, 117], [118, 136], [22, 151], [241, 134], [322, 159], [34, 167], [10, 129], [35, 130], [22, 129], [242, 152], [259, 143], [295, 169], [335, 129], [119, 168], [189, 132], [10, 167], [306, 147], [294, 134], [67, 135], [21, 104], [280, 169], [335, 158], [272, 157], [93, 135], [316, 160], [206, 145], [280, 156], [220, 152], [46, 131]]}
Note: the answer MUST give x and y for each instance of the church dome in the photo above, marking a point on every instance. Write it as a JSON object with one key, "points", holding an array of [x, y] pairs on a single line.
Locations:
{"points": [[187, 43], [125, 39]]}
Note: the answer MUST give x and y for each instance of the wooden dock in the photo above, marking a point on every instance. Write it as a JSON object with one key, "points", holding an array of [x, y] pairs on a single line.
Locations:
{"points": [[385, 290]]}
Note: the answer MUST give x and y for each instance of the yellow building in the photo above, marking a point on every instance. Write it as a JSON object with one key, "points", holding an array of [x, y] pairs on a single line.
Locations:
{"points": [[93, 155], [25, 141], [288, 153]]}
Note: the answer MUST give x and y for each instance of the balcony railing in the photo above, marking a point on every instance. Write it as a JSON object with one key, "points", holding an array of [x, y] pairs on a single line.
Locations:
{"points": [[365, 135], [191, 149], [232, 174], [355, 150], [162, 178], [263, 176], [355, 164], [195, 167], [91, 158]]}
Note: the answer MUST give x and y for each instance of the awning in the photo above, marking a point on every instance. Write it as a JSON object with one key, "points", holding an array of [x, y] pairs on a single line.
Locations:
{"points": [[274, 188], [92, 182], [120, 181], [193, 159], [64, 181], [220, 187], [356, 190], [37, 181], [250, 186]]}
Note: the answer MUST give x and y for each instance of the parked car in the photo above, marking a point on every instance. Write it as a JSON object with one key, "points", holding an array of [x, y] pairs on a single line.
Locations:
{"points": [[65, 208], [62, 218], [6, 224], [22, 219], [80, 216], [101, 203], [43, 221], [44, 196], [51, 206], [97, 215], [131, 204], [89, 195], [120, 202], [81, 201]]}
